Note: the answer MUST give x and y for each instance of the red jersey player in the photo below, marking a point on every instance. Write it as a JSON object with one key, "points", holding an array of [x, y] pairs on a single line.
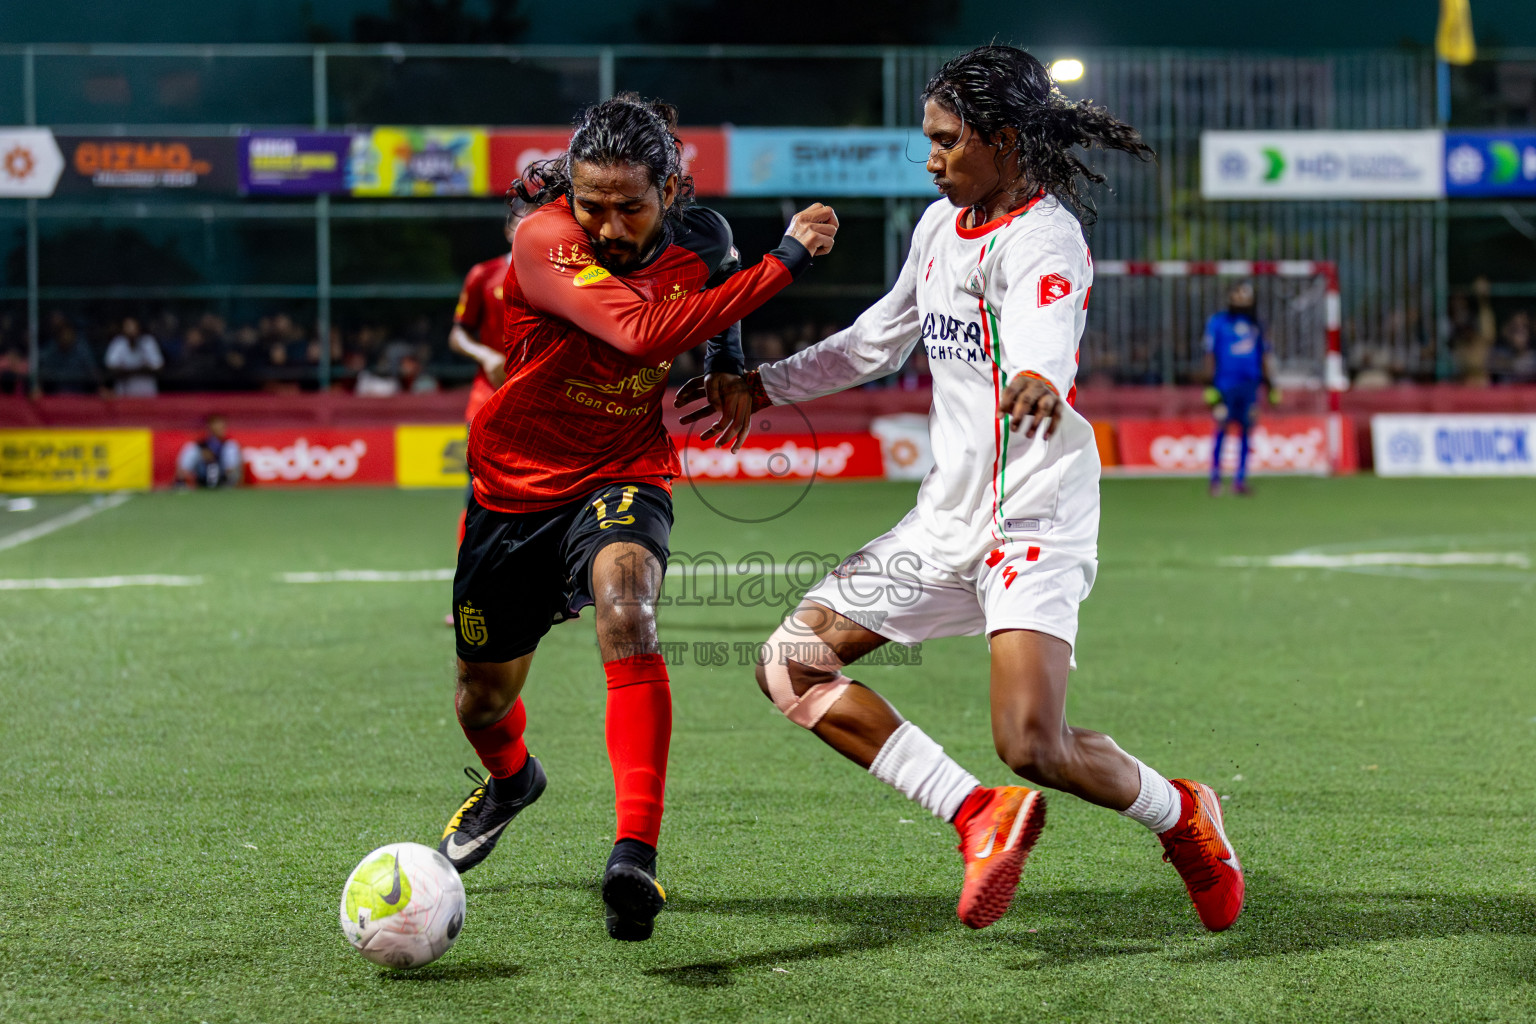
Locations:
{"points": [[613, 276], [477, 325]]}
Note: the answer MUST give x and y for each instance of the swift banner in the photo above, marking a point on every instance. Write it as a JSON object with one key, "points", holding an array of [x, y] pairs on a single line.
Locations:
{"points": [[1450, 445], [294, 164], [95, 164], [513, 149], [420, 162], [1322, 165], [41, 461], [1490, 164], [829, 162]]}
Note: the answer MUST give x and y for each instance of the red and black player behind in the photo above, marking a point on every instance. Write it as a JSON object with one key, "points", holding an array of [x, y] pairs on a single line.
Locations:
{"points": [[612, 276], [478, 319]]}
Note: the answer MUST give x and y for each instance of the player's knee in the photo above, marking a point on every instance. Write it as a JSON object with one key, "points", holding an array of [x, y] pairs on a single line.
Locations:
{"points": [[479, 696], [801, 674], [1039, 755]]}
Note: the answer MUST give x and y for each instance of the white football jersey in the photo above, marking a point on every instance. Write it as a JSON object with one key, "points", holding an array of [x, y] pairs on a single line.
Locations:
{"points": [[987, 303]]}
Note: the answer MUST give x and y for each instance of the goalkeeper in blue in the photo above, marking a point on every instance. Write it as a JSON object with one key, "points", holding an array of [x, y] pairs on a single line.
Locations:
{"points": [[1237, 364]]}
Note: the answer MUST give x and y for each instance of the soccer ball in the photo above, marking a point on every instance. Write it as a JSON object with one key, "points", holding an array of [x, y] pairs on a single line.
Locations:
{"points": [[403, 906]]}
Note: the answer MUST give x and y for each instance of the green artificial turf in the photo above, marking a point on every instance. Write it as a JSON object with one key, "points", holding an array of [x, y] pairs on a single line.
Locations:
{"points": [[187, 775]]}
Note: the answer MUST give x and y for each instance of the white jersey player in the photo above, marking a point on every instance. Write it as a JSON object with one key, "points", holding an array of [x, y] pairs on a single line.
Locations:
{"points": [[1004, 537]]}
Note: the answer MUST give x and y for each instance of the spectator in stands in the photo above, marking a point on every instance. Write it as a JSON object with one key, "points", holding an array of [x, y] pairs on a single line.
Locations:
{"points": [[13, 368], [1473, 333], [65, 366], [212, 460], [1514, 360], [203, 365], [414, 380], [135, 361]]}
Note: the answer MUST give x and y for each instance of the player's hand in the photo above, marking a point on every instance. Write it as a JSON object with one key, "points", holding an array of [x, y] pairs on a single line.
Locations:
{"points": [[495, 370], [733, 398], [814, 227], [1031, 396]]}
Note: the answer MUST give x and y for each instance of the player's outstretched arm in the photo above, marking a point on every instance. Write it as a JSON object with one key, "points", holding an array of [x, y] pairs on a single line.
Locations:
{"points": [[606, 307], [875, 345]]}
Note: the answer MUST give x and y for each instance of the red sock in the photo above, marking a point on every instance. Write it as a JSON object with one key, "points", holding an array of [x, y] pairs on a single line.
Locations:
{"points": [[639, 731], [462, 517], [500, 746]]}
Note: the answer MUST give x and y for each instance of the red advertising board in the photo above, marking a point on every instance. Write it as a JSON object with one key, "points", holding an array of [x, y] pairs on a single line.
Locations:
{"points": [[513, 149], [1276, 444], [297, 457], [784, 458]]}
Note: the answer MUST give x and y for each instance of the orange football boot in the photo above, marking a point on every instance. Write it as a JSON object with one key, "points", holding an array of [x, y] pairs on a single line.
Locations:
{"points": [[995, 837], [1198, 849]]}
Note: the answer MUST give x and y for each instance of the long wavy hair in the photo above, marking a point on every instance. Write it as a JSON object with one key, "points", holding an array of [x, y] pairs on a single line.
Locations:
{"points": [[624, 130], [992, 88]]}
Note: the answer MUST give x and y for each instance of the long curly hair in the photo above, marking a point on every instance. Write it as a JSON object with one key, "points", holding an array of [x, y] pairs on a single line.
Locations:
{"points": [[992, 88], [624, 130]]}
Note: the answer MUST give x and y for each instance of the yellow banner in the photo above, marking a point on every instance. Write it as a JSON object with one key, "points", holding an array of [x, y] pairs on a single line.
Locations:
{"points": [[421, 162], [431, 456], [39, 461]]}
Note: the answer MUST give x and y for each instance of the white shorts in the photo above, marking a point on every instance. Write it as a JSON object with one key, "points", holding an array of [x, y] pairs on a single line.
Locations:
{"points": [[890, 588]]}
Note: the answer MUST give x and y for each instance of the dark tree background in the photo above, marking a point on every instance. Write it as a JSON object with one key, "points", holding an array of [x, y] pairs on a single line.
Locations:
{"points": [[804, 22]]}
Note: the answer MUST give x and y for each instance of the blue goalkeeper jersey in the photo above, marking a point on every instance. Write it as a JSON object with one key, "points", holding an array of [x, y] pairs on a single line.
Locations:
{"points": [[1236, 343]]}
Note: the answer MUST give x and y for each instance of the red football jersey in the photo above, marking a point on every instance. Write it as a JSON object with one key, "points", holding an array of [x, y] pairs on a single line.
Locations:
{"points": [[481, 310], [588, 352]]}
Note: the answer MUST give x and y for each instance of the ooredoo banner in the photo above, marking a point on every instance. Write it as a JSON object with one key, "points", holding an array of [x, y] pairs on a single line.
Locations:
{"points": [[513, 149], [1454, 445], [184, 163], [784, 457], [1277, 444], [296, 458]]}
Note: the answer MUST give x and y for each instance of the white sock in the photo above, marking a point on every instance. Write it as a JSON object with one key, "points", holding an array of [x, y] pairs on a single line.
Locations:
{"points": [[1158, 805], [921, 771]]}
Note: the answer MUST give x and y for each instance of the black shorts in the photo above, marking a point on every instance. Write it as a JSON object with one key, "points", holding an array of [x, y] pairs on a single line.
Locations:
{"points": [[519, 572]]}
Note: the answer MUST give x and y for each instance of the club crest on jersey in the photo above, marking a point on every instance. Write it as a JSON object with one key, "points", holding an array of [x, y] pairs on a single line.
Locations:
{"points": [[976, 281], [1053, 287], [472, 624], [591, 275]]}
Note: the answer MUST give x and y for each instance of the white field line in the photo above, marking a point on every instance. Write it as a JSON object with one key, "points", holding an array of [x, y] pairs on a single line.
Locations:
{"points": [[100, 582], [59, 522], [439, 575], [368, 576], [1308, 560]]}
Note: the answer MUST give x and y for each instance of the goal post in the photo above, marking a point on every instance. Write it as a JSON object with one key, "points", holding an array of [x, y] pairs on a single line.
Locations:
{"points": [[1334, 378]]}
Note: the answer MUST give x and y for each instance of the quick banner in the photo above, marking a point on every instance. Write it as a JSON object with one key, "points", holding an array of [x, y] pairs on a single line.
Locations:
{"points": [[1454, 445], [95, 164], [45, 461]]}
